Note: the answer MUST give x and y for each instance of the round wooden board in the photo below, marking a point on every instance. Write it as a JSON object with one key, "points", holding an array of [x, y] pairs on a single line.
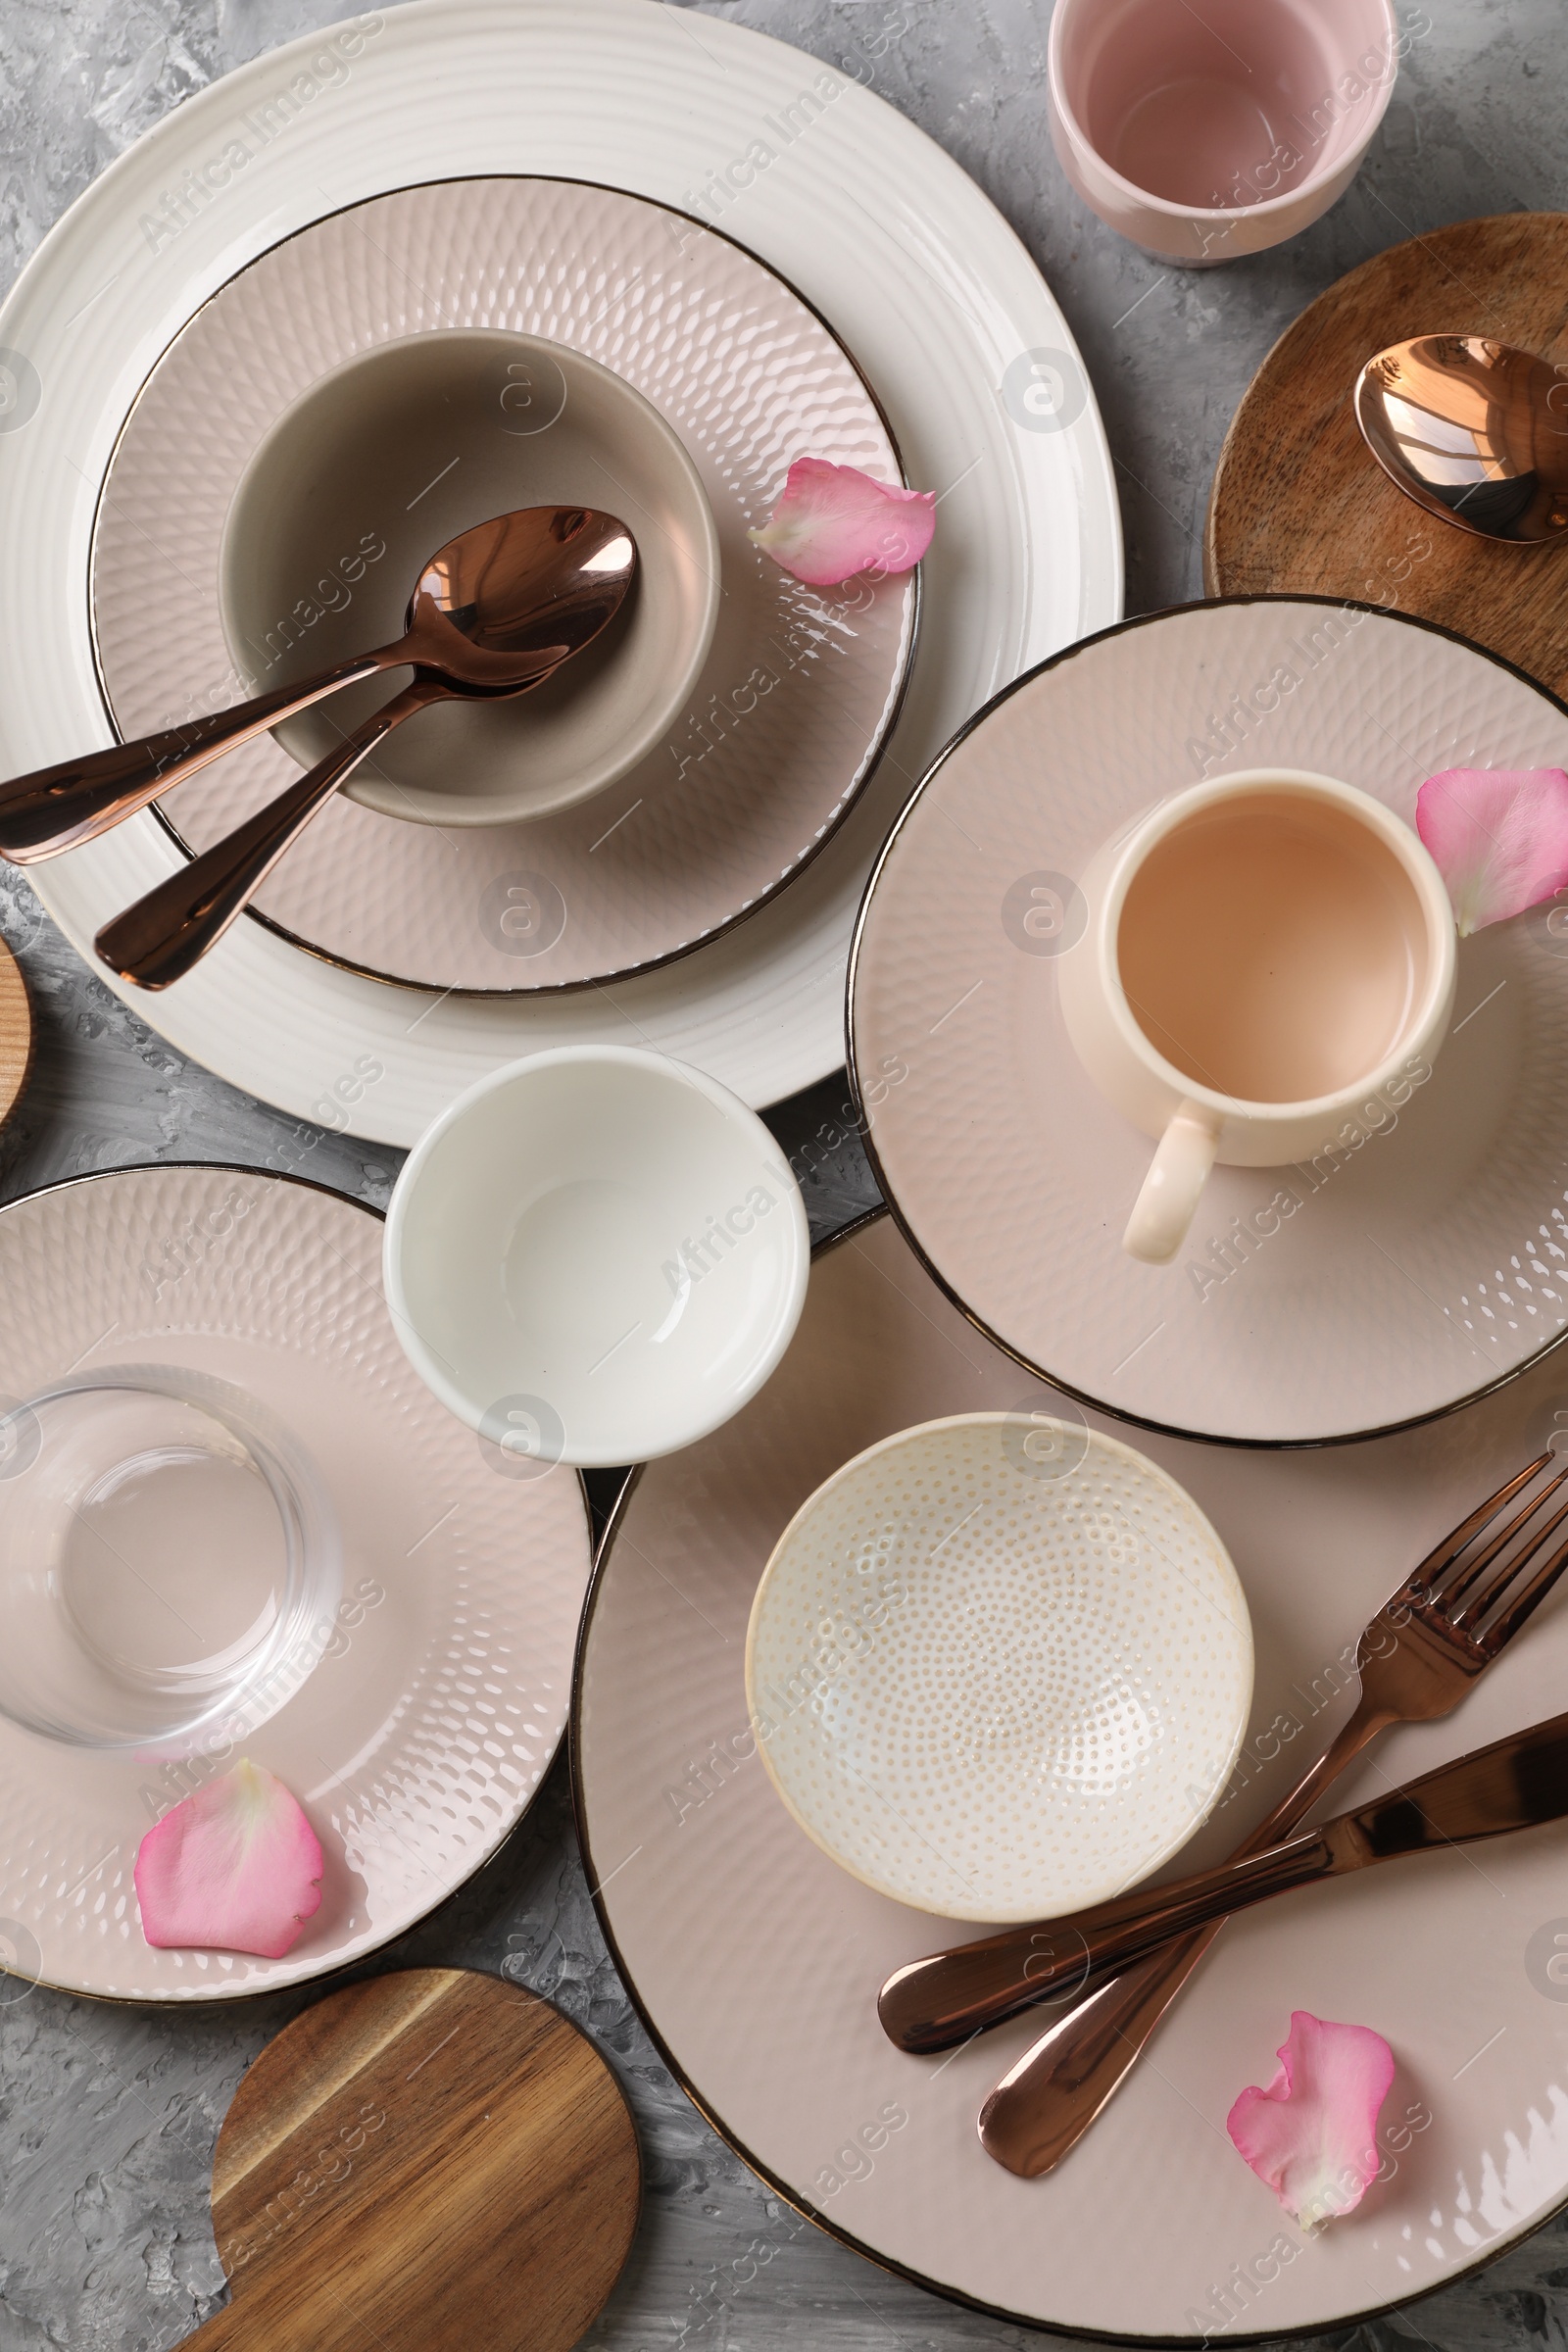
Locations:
{"points": [[1299, 502], [15, 1032], [425, 2162]]}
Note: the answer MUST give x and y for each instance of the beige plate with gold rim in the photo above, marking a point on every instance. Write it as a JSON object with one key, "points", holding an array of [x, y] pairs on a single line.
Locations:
{"points": [[860, 210], [799, 687]]}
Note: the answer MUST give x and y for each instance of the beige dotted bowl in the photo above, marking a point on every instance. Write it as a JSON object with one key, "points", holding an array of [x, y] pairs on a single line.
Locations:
{"points": [[999, 1667]]}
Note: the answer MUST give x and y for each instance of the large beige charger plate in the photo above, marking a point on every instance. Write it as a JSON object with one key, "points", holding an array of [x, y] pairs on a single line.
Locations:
{"points": [[756, 1961]]}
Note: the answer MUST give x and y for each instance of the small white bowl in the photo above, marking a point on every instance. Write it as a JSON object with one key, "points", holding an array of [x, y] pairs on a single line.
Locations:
{"points": [[596, 1255], [999, 1667]]}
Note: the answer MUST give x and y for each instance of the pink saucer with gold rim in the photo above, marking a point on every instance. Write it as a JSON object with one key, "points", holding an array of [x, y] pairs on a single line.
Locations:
{"points": [[1154, 2231], [1421, 1257], [434, 1696]]}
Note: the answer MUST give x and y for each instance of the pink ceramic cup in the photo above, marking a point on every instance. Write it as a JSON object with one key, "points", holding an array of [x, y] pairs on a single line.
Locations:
{"points": [[1206, 132]]}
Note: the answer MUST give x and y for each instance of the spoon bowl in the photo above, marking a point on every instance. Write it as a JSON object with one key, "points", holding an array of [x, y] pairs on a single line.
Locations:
{"points": [[1473, 430], [508, 600]]}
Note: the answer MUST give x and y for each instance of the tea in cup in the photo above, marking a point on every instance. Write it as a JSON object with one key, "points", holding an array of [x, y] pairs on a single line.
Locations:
{"points": [[1263, 952]]}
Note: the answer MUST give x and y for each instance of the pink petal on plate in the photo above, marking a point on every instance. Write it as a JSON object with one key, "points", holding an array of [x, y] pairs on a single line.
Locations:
{"points": [[1499, 836], [237, 1868], [1311, 2136], [832, 521]]}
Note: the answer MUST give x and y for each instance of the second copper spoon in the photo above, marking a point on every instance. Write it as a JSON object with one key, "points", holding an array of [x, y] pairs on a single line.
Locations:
{"points": [[1474, 431]]}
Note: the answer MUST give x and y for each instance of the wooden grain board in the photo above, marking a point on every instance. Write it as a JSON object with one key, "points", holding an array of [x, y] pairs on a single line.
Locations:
{"points": [[15, 1032], [428, 2162], [1299, 500]]}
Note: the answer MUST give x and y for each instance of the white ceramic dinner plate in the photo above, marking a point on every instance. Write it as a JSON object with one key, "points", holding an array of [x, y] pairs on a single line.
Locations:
{"points": [[422, 1735], [931, 291], [756, 1961], [1422, 1261]]}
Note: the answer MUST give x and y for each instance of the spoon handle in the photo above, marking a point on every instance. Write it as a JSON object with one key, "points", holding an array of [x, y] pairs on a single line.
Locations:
{"points": [[1044, 2104], [56, 809], [157, 941]]}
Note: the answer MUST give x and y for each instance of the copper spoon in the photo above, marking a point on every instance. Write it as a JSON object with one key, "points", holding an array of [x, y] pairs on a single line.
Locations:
{"points": [[470, 620], [1473, 430], [538, 587]]}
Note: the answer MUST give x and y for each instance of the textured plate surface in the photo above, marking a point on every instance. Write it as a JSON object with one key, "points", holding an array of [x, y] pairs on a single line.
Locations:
{"points": [[1000, 1670], [876, 227], [1418, 1264], [798, 687], [1154, 2229], [421, 1738]]}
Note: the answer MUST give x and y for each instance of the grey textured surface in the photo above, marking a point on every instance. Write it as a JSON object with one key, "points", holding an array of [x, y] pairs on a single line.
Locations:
{"points": [[108, 2116]]}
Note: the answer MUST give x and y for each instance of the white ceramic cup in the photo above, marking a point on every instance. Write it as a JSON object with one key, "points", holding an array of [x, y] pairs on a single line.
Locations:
{"points": [[1262, 954], [1207, 134]]}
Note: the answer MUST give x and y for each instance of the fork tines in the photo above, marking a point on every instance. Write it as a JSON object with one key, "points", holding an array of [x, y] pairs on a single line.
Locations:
{"points": [[1472, 1574]]}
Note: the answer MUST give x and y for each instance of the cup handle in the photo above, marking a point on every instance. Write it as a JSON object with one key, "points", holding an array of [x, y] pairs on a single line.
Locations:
{"points": [[1177, 1175]]}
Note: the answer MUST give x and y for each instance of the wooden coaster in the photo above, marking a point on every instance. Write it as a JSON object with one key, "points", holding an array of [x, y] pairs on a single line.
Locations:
{"points": [[427, 2161], [1301, 502], [15, 1032]]}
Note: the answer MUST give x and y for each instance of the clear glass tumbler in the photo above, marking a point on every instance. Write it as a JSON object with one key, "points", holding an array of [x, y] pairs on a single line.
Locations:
{"points": [[170, 1562]]}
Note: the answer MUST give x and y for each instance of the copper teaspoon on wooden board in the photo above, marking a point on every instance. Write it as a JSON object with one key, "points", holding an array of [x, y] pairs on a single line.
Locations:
{"points": [[1299, 506]]}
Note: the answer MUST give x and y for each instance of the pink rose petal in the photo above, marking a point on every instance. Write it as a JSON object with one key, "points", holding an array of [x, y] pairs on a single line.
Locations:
{"points": [[1311, 2136], [832, 521], [1498, 837], [236, 1867]]}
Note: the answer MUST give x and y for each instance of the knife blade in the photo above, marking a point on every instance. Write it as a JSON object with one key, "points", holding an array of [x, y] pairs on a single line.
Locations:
{"points": [[1517, 1782]]}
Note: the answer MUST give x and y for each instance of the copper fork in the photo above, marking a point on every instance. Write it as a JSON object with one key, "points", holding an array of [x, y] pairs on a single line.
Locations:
{"points": [[1416, 1659]]}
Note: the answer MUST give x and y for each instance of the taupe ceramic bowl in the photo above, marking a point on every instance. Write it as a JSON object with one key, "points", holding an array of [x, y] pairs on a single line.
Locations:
{"points": [[383, 460]]}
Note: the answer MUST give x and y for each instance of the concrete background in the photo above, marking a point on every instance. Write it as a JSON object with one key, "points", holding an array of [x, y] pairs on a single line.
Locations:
{"points": [[108, 2116]]}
